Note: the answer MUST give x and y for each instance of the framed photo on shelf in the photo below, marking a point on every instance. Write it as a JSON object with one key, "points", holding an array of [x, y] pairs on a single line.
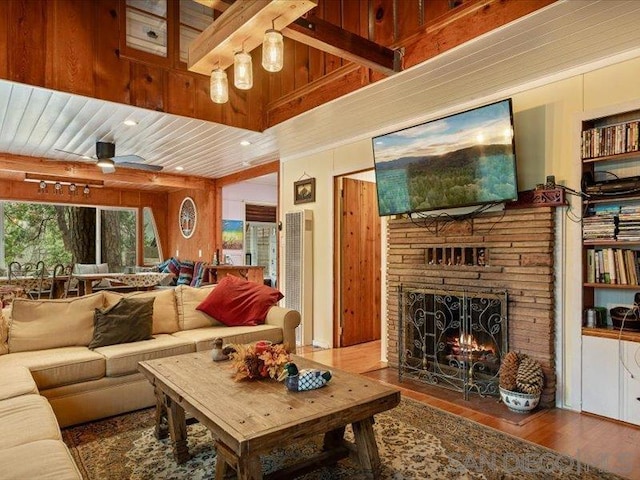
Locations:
{"points": [[304, 191]]}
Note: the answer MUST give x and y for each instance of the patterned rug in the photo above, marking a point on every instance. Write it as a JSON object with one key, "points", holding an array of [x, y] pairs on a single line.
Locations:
{"points": [[415, 442]]}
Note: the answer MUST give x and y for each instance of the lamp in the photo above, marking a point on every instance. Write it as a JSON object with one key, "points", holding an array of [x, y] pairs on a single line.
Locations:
{"points": [[219, 88], [242, 70], [272, 50], [105, 162], [86, 191]]}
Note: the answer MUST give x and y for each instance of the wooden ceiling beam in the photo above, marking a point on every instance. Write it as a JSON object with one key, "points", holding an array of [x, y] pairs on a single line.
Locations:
{"points": [[242, 25], [322, 35], [122, 176]]}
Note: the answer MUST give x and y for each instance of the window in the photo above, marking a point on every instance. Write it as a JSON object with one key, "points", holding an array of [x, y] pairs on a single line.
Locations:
{"points": [[151, 245], [67, 234], [117, 238]]}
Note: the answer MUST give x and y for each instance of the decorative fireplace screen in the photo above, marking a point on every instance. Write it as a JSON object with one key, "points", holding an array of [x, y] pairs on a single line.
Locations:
{"points": [[452, 339]]}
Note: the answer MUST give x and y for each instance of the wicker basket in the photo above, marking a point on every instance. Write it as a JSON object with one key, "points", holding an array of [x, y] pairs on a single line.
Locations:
{"points": [[519, 402]]}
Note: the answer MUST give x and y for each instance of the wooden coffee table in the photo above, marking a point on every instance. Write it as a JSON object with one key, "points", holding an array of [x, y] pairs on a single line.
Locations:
{"points": [[250, 418]]}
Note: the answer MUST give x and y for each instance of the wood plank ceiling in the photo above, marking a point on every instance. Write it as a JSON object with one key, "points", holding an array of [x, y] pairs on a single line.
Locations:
{"points": [[558, 40]]}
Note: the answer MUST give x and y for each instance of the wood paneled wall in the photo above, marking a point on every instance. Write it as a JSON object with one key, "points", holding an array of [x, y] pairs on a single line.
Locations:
{"points": [[107, 197], [76, 46], [202, 244], [519, 244]]}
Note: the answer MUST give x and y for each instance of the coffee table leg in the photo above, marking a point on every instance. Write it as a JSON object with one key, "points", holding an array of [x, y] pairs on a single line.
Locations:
{"points": [[161, 430], [333, 439], [178, 431], [367, 448], [249, 468]]}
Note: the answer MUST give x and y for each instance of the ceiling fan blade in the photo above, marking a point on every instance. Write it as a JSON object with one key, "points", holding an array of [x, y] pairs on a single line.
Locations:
{"points": [[140, 166], [127, 158], [84, 157]]}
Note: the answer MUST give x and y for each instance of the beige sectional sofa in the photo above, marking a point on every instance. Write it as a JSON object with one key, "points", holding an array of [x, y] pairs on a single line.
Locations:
{"points": [[46, 367]]}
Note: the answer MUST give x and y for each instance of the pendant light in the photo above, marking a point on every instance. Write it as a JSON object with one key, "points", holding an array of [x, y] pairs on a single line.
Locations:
{"points": [[242, 70], [219, 88], [272, 50]]}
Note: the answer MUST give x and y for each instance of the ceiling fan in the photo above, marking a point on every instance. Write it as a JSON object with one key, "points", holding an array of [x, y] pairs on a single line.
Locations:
{"points": [[107, 159]]}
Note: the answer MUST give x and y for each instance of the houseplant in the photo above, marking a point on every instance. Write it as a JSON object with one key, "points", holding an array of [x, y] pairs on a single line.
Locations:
{"points": [[521, 382]]}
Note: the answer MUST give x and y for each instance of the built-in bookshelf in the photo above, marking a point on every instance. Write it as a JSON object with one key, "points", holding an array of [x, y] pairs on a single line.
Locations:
{"points": [[611, 224], [611, 261], [610, 154]]}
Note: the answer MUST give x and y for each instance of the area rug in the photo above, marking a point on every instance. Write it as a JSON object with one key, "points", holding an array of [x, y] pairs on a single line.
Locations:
{"points": [[416, 441]]}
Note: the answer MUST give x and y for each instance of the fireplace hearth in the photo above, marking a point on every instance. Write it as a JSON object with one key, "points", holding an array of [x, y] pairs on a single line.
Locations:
{"points": [[454, 339]]}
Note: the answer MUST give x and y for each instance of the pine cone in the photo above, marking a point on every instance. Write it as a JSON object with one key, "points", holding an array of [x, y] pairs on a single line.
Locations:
{"points": [[509, 371], [253, 364], [530, 378]]}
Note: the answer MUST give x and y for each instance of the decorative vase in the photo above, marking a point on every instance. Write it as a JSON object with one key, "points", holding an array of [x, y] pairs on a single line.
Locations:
{"points": [[519, 402]]}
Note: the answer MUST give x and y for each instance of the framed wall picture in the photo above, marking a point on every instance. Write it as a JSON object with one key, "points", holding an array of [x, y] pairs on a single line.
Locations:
{"points": [[187, 217], [304, 191]]}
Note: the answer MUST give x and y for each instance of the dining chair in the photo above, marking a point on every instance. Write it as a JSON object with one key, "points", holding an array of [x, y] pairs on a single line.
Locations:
{"points": [[28, 269]]}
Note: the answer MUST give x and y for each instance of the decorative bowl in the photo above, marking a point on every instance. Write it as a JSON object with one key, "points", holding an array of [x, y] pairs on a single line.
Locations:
{"points": [[519, 402]]}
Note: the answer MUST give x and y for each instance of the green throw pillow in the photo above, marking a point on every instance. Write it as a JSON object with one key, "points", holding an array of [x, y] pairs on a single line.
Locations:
{"points": [[129, 320]]}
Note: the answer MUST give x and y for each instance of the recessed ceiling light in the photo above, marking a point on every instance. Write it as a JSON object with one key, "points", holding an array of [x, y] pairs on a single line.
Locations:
{"points": [[245, 143], [180, 169], [129, 122]]}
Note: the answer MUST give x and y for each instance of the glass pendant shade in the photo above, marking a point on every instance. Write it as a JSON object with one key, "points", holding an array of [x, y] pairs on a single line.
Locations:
{"points": [[219, 88], [242, 71], [272, 51]]}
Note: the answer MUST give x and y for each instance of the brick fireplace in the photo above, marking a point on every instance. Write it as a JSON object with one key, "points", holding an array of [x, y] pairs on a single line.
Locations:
{"points": [[510, 251]]}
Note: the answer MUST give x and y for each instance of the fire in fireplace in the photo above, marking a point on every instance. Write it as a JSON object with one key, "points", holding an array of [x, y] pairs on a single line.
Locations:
{"points": [[453, 339]]}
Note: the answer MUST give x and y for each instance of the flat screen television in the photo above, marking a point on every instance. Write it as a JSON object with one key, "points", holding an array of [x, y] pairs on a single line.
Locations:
{"points": [[461, 160]]}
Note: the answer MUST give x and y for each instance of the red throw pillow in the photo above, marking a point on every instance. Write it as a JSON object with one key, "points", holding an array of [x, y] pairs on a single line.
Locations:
{"points": [[235, 302]]}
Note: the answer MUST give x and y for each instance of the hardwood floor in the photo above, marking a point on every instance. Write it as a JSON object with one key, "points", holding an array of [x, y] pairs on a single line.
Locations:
{"points": [[610, 445]]}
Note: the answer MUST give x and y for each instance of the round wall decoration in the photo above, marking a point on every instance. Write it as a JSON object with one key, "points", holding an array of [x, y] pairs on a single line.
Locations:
{"points": [[187, 217]]}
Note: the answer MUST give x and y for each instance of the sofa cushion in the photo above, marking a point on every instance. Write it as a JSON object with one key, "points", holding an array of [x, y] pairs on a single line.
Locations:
{"points": [[129, 320], [203, 337], [16, 380], [88, 268], [165, 310], [123, 359], [25, 419], [186, 273], [187, 299], [43, 324], [59, 366], [42, 459], [236, 301]]}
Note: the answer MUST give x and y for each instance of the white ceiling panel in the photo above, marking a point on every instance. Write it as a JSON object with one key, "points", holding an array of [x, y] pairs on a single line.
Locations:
{"points": [[561, 39]]}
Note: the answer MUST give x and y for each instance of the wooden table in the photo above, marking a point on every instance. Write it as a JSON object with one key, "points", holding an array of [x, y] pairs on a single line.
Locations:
{"points": [[143, 280], [250, 418], [252, 273]]}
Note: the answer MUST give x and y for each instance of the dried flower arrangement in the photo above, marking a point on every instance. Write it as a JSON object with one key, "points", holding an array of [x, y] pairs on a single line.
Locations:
{"points": [[259, 360]]}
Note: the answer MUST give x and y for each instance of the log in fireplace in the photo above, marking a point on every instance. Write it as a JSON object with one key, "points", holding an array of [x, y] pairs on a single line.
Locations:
{"points": [[454, 339]]}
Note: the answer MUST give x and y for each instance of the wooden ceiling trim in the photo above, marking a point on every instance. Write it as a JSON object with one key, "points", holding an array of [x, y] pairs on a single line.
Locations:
{"points": [[344, 80], [122, 176], [254, 172], [464, 23]]}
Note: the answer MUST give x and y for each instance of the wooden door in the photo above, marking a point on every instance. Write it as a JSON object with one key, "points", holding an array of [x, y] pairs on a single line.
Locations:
{"points": [[359, 264]]}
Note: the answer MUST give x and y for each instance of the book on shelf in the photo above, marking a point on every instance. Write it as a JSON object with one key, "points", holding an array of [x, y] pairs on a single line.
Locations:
{"points": [[610, 140], [616, 266]]}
